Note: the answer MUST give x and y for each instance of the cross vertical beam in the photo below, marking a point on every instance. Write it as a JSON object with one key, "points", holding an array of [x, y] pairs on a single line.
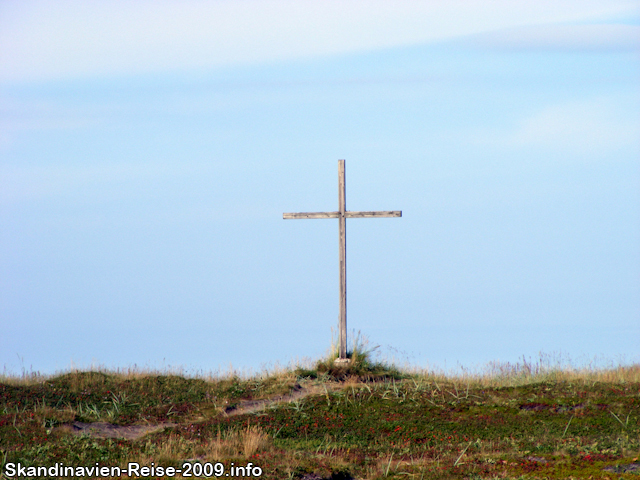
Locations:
{"points": [[342, 214], [342, 329]]}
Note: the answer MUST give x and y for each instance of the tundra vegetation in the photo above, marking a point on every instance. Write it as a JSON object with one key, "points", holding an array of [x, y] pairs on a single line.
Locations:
{"points": [[363, 420]]}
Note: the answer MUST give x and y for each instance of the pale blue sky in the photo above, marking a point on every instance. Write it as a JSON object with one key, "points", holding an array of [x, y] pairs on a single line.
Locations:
{"points": [[149, 149]]}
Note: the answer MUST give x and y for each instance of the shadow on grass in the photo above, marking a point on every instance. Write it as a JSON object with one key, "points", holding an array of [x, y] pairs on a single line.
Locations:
{"points": [[334, 476]]}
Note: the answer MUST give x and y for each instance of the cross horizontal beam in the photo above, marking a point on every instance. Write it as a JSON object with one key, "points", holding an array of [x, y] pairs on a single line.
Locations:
{"points": [[289, 216], [390, 213]]}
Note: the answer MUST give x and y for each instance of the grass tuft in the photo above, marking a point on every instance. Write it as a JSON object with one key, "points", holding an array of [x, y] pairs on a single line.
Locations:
{"points": [[361, 364]]}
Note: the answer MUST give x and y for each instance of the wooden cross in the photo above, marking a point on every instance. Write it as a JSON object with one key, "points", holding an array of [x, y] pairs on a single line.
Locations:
{"points": [[342, 215]]}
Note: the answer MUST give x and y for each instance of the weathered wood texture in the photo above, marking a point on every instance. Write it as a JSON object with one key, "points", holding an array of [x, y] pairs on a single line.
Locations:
{"points": [[392, 213], [342, 216], [289, 216], [342, 345]]}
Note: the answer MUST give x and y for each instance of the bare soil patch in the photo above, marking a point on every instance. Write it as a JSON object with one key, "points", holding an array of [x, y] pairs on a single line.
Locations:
{"points": [[135, 432], [109, 430]]}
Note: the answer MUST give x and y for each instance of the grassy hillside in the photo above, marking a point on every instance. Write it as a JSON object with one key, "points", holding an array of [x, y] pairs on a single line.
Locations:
{"points": [[364, 421]]}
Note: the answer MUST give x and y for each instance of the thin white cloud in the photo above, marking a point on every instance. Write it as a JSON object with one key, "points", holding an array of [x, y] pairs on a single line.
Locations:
{"points": [[118, 181], [37, 182], [19, 117], [60, 39], [22, 183], [585, 128], [591, 37]]}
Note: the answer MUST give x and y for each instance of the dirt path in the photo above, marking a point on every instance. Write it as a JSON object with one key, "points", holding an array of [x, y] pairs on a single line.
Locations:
{"points": [[134, 432], [254, 406], [109, 430]]}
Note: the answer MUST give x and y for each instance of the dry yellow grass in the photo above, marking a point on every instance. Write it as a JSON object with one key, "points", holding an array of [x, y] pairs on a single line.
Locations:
{"points": [[498, 374], [230, 445], [494, 374]]}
